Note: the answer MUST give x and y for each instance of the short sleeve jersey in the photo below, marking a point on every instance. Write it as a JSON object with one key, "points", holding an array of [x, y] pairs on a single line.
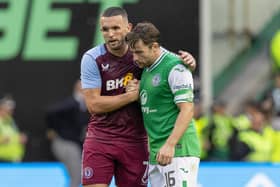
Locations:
{"points": [[101, 69], [163, 85]]}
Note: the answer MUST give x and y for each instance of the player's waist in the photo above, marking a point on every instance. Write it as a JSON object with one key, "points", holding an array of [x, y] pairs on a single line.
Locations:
{"points": [[121, 135]]}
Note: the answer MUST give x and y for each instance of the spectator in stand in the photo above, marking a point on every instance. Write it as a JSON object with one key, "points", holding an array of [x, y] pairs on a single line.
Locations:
{"points": [[12, 141], [256, 143], [272, 99], [221, 129]]}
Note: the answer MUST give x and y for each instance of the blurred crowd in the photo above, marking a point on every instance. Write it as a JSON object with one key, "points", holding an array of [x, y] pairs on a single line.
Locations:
{"points": [[252, 135]]}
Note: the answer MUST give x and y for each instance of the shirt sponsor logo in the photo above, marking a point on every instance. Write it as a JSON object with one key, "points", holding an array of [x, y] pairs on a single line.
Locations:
{"points": [[118, 83], [184, 86], [147, 110], [179, 69], [144, 98]]}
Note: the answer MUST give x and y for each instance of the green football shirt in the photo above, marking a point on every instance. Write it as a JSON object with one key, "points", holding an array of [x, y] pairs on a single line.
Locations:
{"points": [[163, 85]]}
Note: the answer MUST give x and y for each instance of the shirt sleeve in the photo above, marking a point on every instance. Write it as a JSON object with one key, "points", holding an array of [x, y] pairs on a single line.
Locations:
{"points": [[181, 83], [90, 75]]}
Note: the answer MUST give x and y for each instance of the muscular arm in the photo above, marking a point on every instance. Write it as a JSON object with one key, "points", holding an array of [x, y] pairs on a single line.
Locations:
{"points": [[102, 104], [91, 84], [182, 122], [167, 151]]}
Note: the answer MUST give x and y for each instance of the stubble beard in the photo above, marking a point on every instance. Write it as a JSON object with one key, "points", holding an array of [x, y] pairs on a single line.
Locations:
{"points": [[118, 47]]}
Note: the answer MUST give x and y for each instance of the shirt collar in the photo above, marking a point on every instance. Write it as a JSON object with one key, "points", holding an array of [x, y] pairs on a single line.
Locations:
{"points": [[163, 52]]}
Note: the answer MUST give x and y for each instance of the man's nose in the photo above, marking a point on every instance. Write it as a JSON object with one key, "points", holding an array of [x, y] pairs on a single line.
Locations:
{"points": [[135, 58], [111, 32]]}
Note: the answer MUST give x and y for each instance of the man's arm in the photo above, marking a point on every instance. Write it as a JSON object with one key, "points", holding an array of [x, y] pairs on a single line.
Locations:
{"points": [[167, 151], [91, 84], [186, 57], [181, 84], [102, 104]]}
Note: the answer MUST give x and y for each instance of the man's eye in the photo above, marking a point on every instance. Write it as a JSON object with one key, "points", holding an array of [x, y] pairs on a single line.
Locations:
{"points": [[104, 29]]}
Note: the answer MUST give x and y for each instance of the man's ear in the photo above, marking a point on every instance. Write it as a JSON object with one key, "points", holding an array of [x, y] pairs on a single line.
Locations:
{"points": [[155, 45], [129, 27]]}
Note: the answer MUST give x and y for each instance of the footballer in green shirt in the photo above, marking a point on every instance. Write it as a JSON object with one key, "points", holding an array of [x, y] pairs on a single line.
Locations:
{"points": [[166, 95]]}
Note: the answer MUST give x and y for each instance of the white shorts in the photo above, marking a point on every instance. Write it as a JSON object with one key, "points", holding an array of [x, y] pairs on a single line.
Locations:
{"points": [[182, 172]]}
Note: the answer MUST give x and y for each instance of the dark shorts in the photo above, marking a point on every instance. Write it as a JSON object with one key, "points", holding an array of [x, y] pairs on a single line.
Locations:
{"points": [[127, 162]]}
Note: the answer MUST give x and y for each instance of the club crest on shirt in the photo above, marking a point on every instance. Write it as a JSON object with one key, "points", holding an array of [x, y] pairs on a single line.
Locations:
{"points": [[105, 67], [88, 172], [156, 80]]}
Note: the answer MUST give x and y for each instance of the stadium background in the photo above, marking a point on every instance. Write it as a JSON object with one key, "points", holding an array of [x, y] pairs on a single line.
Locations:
{"points": [[41, 43]]}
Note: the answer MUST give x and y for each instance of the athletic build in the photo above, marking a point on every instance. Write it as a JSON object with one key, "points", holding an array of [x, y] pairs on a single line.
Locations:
{"points": [[166, 94]]}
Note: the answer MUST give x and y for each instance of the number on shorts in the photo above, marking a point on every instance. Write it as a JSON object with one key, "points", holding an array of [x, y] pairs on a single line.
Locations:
{"points": [[170, 181], [145, 176]]}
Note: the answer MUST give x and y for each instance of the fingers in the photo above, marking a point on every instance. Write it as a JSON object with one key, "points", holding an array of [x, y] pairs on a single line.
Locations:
{"points": [[133, 85], [163, 160], [131, 88], [183, 53], [188, 59]]}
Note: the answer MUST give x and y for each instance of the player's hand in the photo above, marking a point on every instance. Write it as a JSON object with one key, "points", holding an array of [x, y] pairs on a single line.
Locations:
{"points": [[132, 88], [132, 85], [165, 154], [188, 59]]}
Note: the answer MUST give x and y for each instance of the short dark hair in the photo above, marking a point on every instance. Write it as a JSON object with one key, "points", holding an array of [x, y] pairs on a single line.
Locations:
{"points": [[145, 31], [114, 11]]}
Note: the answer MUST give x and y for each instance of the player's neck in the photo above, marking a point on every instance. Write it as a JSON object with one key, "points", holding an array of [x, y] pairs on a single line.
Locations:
{"points": [[156, 57], [119, 52]]}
